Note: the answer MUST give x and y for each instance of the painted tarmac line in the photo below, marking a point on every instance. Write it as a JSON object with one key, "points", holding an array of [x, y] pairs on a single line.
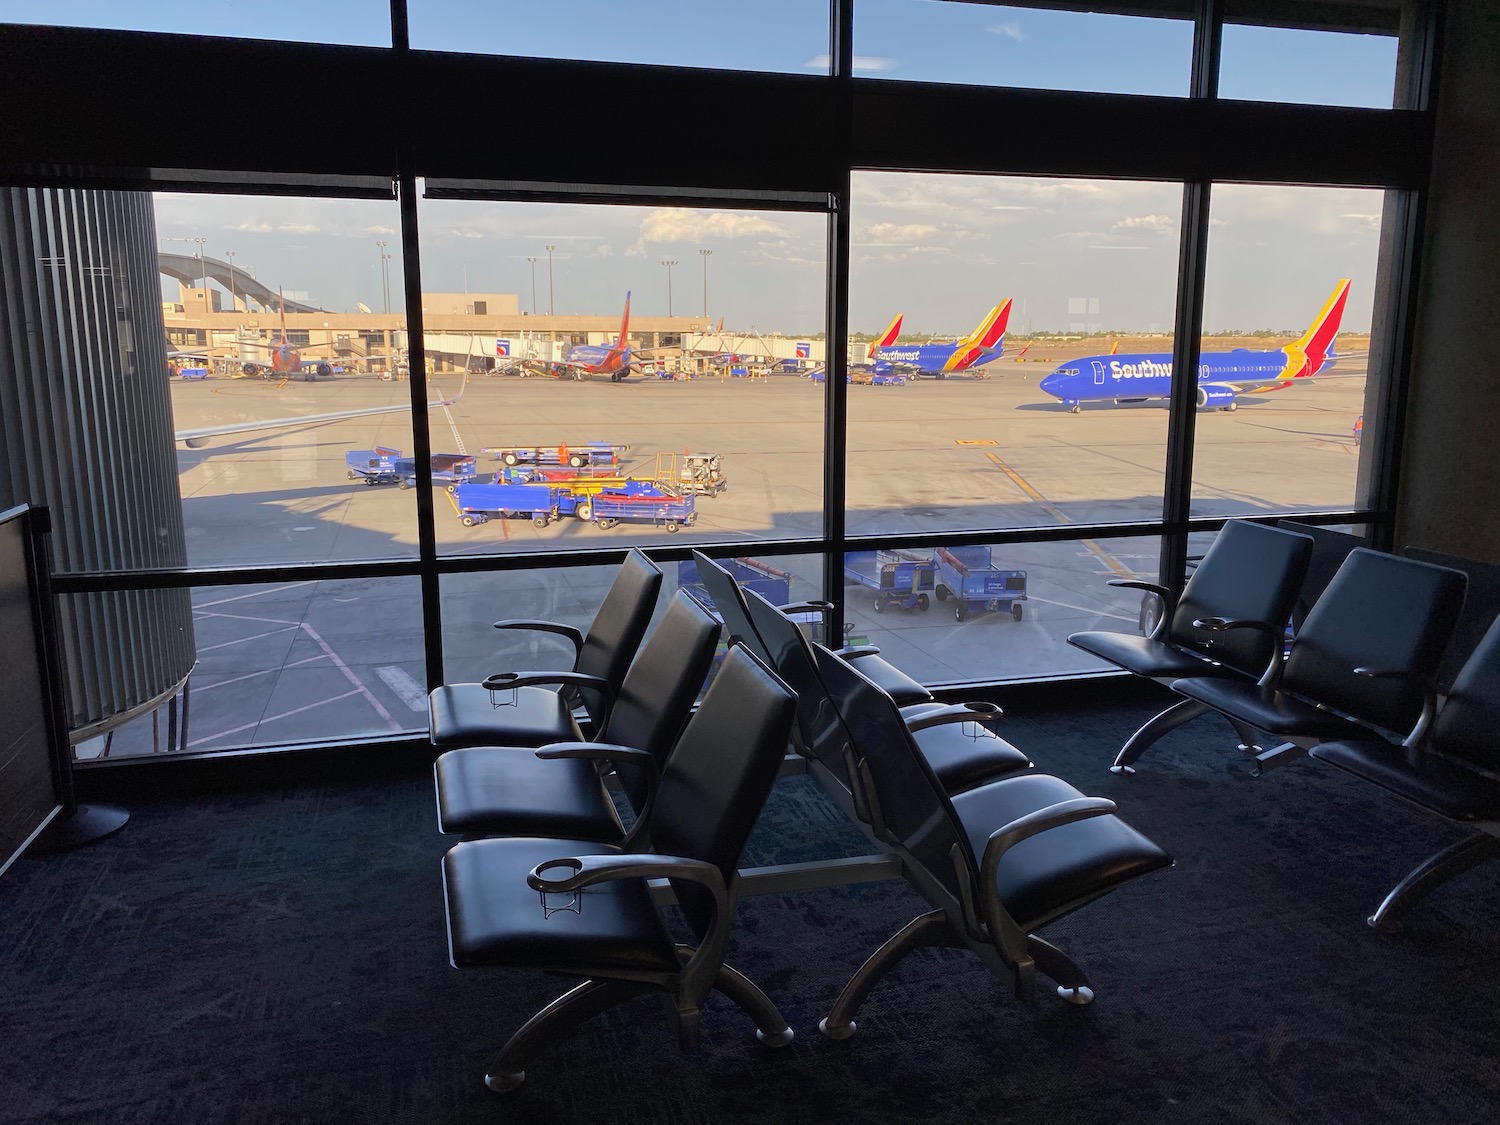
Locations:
{"points": [[1060, 516], [399, 681]]}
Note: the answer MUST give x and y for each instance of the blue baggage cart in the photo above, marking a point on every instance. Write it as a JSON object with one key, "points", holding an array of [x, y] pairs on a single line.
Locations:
{"points": [[479, 503], [751, 574], [451, 468], [900, 578], [652, 504], [373, 466], [966, 573]]}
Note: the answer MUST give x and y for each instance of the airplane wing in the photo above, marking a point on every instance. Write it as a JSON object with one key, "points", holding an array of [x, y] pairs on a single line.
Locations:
{"points": [[199, 437]]}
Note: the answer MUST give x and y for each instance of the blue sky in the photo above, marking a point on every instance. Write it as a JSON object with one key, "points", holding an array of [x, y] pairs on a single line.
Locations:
{"points": [[942, 249]]}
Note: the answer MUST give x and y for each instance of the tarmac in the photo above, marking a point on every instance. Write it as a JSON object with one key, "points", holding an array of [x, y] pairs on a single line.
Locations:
{"points": [[306, 661]]}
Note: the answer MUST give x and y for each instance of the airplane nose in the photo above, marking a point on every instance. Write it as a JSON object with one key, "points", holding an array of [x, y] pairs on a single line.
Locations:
{"points": [[1052, 385]]}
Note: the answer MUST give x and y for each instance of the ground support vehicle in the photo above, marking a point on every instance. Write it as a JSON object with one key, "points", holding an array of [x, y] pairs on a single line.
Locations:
{"points": [[451, 468], [702, 473], [770, 583], [577, 489], [649, 504], [966, 574], [373, 466], [590, 453], [900, 578], [478, 503]]}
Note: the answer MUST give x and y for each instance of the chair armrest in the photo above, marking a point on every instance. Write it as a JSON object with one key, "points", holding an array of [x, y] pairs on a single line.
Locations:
{"points": [[814, 606], [955, 713], [854, 652], [1166, 597], [1008, 937], [1415, 741], [616, 755], [505, 681], [572, 634], [576, 872], [1272, 673]]}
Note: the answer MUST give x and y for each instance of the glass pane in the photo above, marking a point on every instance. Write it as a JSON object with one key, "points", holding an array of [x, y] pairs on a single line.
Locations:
{"points": [[275, 664], [978, 613], [293, 427], [360, 23], [1009, 294], [786, 36], [1282, 378], [1042, 49], [703, 426], [1282, 64]]}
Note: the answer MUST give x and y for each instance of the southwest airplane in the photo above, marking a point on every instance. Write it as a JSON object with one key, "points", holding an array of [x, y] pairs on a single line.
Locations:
{"points": [[597, 359], [981, 346], [1221, 375]]}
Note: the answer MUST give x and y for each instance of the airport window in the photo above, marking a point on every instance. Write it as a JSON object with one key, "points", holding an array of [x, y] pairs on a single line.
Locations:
{"points": [[1282, 376], [1040, 48], [781, 36], [982, 612], [716, 438], [358, 23], [1322, 65], [986, 307]]}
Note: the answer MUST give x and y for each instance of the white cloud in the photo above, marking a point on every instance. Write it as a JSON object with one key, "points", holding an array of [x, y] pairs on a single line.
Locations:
{"points": [[378, 229], [252, 228], [888, 233], [1008, 30], [679, 224], [299, 228], [465, 233], [1156, 224]]}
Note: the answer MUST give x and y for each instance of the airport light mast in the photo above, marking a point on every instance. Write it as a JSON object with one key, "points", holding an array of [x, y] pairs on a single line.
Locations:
{"points": [[669, 263], [705, 254], [385, 284], [533, 285], [549, 279], [232, 306]]}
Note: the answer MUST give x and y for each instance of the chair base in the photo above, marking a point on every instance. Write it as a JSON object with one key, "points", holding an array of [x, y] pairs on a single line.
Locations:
{"points": [[1432, 873], [1160, 725]]}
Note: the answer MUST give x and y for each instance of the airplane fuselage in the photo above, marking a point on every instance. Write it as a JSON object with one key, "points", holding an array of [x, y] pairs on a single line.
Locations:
{"points": [[1222, 376], [597, 359], [933, 359]]}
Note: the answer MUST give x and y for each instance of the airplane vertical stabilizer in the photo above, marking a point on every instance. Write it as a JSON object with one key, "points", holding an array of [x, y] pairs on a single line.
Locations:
{"points": [[992, 328], [1307, 355]]}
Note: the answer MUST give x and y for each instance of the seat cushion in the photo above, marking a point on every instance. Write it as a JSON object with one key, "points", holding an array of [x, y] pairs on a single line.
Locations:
{"points": [[1146, 657], [964, 755], [494, 918], [1053, 872], [1437, 784], [509, 791], [469, 715], [890, 679], [1275, 712]]}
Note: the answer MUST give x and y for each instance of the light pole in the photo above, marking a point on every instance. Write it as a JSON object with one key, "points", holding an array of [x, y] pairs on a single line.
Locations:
{"points": [[549, 279], [385, 285], [705, 254], [669, 263], [533, 285], [202, 269], [232, 306]]}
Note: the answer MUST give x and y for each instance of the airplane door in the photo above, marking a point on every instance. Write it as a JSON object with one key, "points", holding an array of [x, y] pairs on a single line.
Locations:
{"points": [[1098, 374]]}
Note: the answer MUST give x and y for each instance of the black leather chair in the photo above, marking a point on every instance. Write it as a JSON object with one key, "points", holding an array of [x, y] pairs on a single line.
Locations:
{"points": [[536, 708], [1249, 579], [1452, 769], [560, 789], [1481, 607], [580, 909], [1330, 549], [952, 738], [1366, 658], [723, 590], [997, 862]]}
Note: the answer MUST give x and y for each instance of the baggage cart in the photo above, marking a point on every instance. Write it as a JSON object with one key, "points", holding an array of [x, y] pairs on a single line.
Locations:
{"points": [[479, 503], [900, 578], [648, 504], [966, 574], [373, 466]]}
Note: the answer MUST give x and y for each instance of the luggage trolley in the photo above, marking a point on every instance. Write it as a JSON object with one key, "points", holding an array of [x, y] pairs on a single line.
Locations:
{"points": [[900, 578], [965, 573]]}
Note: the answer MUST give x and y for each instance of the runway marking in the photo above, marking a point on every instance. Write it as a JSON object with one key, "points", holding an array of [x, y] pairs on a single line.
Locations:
{"points": [[270, 718], [1082, 608], [256, 594], [1061, 517], [201, 688], [410, 692], [453, 425], [291, 626]]}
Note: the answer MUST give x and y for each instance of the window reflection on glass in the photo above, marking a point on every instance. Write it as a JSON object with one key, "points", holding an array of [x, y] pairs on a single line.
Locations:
{"points": [[1306, 66], [1014, 45], [983, 311], [287, 361], [705, 425], [360, 23], [786, 36], [1002, 612], [1291, 282], [287, 663]]}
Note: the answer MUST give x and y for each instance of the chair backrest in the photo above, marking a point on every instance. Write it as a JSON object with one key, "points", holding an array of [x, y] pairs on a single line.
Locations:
{"points": [[1330, 549], [1382, 612], [720, 774], [613, 636], [1468, 725], [1250, 573], [908, 803], [664, 680], [1481, 606], [823, 734], [725, 593]]}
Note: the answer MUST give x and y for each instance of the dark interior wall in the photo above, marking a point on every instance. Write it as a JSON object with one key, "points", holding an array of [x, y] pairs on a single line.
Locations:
{"points": [[1450, 493]]}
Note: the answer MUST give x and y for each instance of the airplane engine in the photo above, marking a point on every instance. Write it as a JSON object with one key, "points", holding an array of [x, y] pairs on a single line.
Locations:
{"points": [[1216, 396]]}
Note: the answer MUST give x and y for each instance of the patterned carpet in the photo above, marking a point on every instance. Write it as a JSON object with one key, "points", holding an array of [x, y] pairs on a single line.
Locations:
{"points": [[281, 958]]}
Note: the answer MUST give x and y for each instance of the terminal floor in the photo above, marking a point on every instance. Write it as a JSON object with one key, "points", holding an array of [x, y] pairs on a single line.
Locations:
{"points": [[280, 957]]}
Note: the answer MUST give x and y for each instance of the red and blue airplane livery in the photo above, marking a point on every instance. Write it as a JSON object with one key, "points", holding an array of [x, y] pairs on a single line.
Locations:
{"points": [[597, 359], [1222, 376], [983, 345]]}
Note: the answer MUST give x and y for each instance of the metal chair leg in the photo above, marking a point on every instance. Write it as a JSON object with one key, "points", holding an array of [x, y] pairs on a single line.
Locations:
{"points": [[931, 928], [559, 1018], [770, 1028], [1157, 726], [1072, 981], [1432, 873]]}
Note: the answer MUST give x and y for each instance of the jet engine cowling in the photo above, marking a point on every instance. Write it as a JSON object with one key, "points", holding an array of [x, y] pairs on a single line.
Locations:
{"points": [[1216, 396]]}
